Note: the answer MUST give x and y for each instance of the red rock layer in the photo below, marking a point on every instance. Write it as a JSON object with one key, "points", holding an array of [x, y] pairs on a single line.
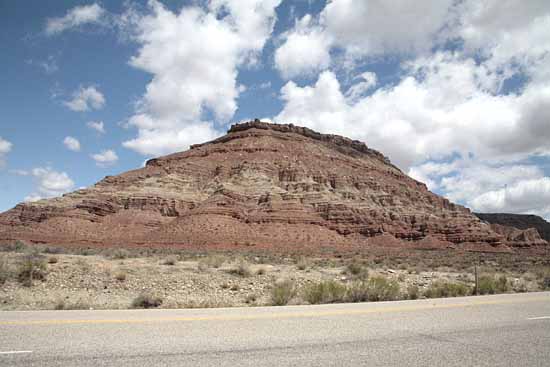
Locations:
{"points": [[261, 184]]}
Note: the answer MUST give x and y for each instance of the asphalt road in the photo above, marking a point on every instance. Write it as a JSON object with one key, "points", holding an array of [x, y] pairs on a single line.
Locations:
{"points": [[504, 330]]}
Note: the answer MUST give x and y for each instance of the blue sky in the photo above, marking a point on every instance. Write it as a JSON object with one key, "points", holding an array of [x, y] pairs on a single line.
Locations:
{"points": [[456, 93]]}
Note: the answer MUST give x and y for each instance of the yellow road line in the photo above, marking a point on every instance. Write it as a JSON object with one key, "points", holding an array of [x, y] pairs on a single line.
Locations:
{"points": [[279, 315]]}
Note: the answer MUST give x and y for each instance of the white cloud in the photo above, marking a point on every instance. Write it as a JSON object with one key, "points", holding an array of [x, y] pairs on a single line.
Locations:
{"points": [[357, 90], [368, 28], [193, 75], [98, 126], [49, 183], [75, 17], [5, 148], [72, 144], [362, 29], [85, 99], [443, 105], [105, 158], [530, 196], [489, 187], [306, 49]]}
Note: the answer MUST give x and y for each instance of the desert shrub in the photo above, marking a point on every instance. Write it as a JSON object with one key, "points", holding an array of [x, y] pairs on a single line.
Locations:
{"points": [[250, 299], [441, 289], [380, 288], [17, 246], [4, 270], [357, 292], [491, 285], [62, 304], [53, 250], [302, 263], [242, 269], [358, 270], [53, 260], [31, 268], [412, 292], [116, 254], [146, 300], [170, 260], [282, 293], [120, 276], [214, 261], [543, 275], [329, 291]]}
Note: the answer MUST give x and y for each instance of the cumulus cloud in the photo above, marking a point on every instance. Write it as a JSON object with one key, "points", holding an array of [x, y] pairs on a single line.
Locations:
{"points": [[49, 183], [85, 99], [72, 143], [5, 148], [193, 76], [489, 186], [362, 29], [105, 158], [305, 49], [75, 17], [98, 126]]}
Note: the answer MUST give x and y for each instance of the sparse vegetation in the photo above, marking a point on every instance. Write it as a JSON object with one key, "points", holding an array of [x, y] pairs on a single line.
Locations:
{"points": [[242, 269], [489, 284], [120, 276], [358, 270], [213, 261], [283, 292], [171, 260], [329, 291], [413, 291], [380, 288], [147, 300], [357, 292], [99, 278], [440, 289], [31, 268], [4, 270]]}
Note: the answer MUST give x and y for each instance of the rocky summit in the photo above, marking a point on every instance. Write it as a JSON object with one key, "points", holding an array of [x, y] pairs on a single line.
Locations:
{"points": [[270, 186]]}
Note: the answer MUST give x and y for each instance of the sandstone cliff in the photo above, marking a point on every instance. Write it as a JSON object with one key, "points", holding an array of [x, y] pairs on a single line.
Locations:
{"points": [[264, 185]]}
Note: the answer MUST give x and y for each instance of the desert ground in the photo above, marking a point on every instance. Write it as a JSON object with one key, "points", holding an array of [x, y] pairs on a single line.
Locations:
{"points": [[48, 277]]}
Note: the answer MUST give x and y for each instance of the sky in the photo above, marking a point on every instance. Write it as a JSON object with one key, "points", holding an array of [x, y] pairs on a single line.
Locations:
{"points": [[455, 92]]}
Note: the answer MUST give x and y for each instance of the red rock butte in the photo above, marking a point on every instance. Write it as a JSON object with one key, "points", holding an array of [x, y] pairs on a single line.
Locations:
{"points": [[265, 185]]}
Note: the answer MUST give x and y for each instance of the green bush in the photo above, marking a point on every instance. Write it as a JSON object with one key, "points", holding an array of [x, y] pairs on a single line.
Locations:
{"points": [[146, 300], [441, 289], [31, 268], [325, 292], [492, 285], [380, 288], [282, 293]]}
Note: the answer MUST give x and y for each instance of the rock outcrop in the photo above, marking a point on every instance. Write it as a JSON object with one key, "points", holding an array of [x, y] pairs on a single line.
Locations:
{"points": [[519, 221], [264, 185]]}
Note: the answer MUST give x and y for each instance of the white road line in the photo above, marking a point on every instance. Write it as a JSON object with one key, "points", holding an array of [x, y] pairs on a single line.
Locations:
{"points": [[16, 352], [539, 318]]}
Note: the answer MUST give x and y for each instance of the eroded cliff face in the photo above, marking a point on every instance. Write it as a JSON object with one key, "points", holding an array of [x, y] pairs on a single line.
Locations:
{"points": [[261, 184]]}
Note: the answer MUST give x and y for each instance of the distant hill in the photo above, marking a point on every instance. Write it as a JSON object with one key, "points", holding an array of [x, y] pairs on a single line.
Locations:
{"points": [[520, 221]]}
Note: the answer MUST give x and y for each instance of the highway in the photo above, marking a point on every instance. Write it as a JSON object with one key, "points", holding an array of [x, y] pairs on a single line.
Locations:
{"points": [[502, 330]]}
